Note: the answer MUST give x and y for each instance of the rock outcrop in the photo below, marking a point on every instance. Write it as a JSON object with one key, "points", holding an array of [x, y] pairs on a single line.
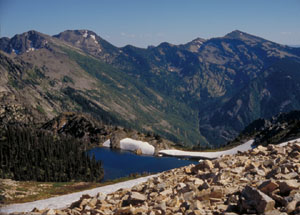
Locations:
{"points": [[95, 132], [259, 181]]}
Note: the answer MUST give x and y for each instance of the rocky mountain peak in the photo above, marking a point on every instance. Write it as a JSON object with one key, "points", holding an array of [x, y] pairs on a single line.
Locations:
{"points": [[245, 37], [89, 42], [165, 45], [26, 42], [78, 36], [194, 45], [198, 40]]}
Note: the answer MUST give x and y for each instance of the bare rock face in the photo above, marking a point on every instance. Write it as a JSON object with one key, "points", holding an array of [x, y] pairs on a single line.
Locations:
{"points": [[253, 182], [116, 138]]}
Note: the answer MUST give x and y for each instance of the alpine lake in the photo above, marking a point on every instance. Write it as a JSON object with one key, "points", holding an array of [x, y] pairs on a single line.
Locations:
{"points": [[121, 163]]}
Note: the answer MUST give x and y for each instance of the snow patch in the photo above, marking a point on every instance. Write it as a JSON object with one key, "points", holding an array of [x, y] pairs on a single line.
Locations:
{"points": [[210, 155], [30, 49], [106, 143], [291, 141], [94, 38], [16, 51], [85, 34], [133, 145]]}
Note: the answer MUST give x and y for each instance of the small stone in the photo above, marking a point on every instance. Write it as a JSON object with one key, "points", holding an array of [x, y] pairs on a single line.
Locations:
{"points": [[269, 163], [198, 181], [35, 210], [206, 164], [286, 186], [125, 211], [237, 170], [93, 202], [291, 175], [138, 151], [204, 186], [215, 200], [222, 207], [199, 212], [274, 212], [291, 206], [195, 205], [101, 196], [59, 212], [49, 212], [137, 196], [75, 212], [134, 199], [161, 186], [188, 170], [188, 196], [217, 192], [161, 206], [221, 165], [88, 208], [268, 186], [260, 172], [166, 192], [296, 146], [174, 202]]}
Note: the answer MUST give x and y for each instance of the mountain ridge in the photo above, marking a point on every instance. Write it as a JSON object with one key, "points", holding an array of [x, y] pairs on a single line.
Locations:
{"points": [[182, 87]]}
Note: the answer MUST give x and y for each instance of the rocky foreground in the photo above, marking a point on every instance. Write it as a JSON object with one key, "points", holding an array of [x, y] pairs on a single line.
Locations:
{"points": [[264, 180]]}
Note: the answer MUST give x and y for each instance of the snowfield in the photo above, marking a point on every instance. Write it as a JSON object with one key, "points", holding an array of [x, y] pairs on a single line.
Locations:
{"points": [[133, 145], [291, 141], [66, 200], [208, 155]]}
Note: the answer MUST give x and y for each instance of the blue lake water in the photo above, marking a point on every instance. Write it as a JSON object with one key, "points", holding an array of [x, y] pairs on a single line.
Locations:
{"points": [[119, 163]]}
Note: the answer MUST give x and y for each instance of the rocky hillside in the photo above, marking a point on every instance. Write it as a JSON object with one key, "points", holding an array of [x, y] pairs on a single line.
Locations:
{"points": [[93, 132], [280, 128], [273, 91], [264, 180], [202, 92]]}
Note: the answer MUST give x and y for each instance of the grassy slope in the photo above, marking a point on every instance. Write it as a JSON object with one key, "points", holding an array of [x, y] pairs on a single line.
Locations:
{"points": [[144, 107]]}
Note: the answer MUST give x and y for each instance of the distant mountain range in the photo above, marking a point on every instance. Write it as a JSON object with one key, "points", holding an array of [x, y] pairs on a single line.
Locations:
{"points": [[202, 92]]}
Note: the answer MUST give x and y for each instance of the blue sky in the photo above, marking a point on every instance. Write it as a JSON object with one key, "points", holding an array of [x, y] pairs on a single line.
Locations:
{"points": [[150, 22]]}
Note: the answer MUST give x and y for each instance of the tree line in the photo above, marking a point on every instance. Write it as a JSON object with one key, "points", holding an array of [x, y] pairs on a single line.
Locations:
{"points": [[31, 154]]}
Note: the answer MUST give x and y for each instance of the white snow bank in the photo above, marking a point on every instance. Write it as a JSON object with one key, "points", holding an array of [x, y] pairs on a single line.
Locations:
{"points": [[291, 141], [66, 200], [132, 145], [210, 155]]}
